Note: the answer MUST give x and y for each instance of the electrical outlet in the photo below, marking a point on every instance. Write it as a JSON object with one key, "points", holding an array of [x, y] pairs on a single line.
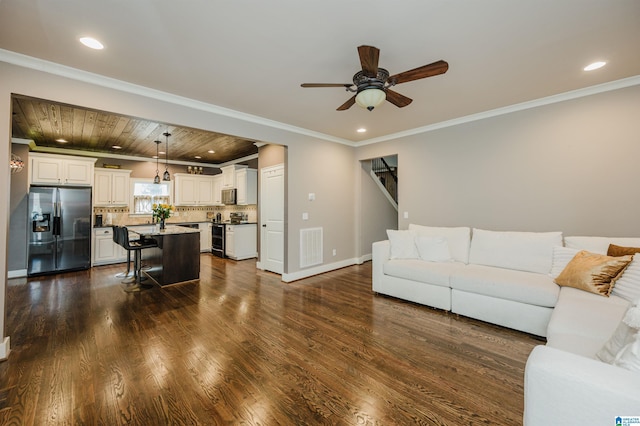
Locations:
{"points": [[305, 216], [335, 252], [406, 215]]}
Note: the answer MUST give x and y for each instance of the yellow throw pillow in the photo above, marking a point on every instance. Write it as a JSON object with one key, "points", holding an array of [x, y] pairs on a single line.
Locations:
{"points": [[595, 273], [615, 250]]}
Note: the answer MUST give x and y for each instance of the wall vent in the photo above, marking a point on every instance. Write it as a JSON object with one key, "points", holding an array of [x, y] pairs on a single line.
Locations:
{"points": [[310, 247]]}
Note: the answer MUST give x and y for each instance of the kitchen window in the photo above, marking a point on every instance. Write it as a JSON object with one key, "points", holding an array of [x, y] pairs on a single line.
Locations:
{"points": [[145, 194]]}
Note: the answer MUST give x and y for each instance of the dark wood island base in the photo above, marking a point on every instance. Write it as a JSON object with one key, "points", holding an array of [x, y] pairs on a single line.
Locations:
{"points": [[176, 260]]}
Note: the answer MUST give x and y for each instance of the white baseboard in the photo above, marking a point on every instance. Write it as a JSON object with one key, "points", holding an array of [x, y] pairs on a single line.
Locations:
{"points": [[306, 273], [259, 265], [19, 273], [4, 349], [365, 258]]}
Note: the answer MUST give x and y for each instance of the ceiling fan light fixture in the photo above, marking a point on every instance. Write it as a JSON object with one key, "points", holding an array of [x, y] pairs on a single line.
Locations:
{"points": [[370, 98]]}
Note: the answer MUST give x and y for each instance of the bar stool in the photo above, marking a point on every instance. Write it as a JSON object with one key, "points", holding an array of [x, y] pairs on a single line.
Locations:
{"points": [[136, 246], [117, 238]]}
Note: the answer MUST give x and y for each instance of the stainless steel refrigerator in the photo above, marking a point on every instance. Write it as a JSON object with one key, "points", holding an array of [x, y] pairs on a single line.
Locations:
{"points": [[59, 229]]}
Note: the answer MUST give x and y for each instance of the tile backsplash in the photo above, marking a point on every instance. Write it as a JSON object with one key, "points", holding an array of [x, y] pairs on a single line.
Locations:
{"points": [[120, 215]]}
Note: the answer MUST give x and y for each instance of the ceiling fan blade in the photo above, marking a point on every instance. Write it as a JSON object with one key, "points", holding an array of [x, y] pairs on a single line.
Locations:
{"points": [[369, 60], [326, 85], [397, 99], [436, 68], [345, 106]]}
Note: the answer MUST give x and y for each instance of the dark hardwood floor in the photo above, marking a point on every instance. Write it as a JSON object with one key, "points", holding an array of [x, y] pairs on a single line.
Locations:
{"points": [[241, 347]]}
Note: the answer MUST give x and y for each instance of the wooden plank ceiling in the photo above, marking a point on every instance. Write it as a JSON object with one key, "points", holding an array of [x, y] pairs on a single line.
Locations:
{"points": [[46, 122]]}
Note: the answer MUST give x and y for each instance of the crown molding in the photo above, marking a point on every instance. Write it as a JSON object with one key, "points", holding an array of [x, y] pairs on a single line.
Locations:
{"points": [[561, 97], [111, 83]]}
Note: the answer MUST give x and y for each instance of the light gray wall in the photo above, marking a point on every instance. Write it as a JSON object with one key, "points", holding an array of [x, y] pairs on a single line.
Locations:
{"points": [[303, 150], [378, 214], [17, 255], [570, 166]]}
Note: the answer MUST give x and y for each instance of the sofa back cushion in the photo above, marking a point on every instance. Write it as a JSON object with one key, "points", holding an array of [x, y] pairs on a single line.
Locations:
{"points": [[458, 238], [599, 244], [522, 251]]}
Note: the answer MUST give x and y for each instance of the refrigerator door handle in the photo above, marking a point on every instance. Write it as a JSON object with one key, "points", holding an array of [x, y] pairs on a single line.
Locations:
{"points": [[56, 214]]}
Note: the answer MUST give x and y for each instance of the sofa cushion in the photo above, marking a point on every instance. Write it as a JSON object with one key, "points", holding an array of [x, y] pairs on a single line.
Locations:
{"points": [[523, 251], [436, 273], [402, 244], [519, 286], [582, 322], [433, 249], [599, 244], [593, 272], [458, 238]]}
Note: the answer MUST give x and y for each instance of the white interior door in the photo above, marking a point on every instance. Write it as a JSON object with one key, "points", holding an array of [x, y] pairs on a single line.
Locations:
{"points": [[272, 218]]}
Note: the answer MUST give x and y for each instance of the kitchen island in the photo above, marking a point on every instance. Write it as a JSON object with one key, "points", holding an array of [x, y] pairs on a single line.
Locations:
{"points": [[177, 257]]}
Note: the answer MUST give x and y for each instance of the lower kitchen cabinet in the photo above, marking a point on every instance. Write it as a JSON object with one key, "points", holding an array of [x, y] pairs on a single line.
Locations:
{"points": [[241, 241], [105, 251]]}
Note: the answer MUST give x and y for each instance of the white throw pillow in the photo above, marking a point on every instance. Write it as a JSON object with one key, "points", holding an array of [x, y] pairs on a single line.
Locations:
{"points": [[627, 285], [458, 238], [629, 356], [433, 249], [403, 245], [561, 258], [620, 338], [522, 251]]}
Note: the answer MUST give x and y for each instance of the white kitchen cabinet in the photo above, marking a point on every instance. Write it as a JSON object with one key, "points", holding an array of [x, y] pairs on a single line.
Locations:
{"points": [[229, 175], [105, 251], [241, 241], [217, 190], [193, 190], [111, 187], [247, 184], [205, 236], [51, 169]]}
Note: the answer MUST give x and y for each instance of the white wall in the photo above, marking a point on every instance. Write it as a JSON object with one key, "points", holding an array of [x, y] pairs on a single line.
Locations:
{"points": [[570, 166]]}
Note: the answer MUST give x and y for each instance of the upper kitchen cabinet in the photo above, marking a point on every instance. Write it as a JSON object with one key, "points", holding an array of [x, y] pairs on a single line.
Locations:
{"points": [[193, 190], [247, 184], [244, 179], [217, 190], [51, 169], [111, 187], [229, 176]]}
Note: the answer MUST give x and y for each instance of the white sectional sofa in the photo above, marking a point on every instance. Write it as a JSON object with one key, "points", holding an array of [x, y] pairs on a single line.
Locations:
{"points": [[498, 277], [507, 278]]}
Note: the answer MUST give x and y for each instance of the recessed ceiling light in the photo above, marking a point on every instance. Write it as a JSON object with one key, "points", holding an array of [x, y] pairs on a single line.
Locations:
{"points": [[61, 140], [92, 43], [211, 151], [116, 147], [595, 66], [361, 130], [197, 157]]}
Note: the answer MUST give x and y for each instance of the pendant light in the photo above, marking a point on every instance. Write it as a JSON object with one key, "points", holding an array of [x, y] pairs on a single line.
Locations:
{"points": [[156, 179], [166, 176]]}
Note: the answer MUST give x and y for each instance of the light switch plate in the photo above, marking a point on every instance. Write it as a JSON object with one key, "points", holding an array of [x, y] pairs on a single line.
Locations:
{"points": [[305, 216], [312, 196], [406, 215]]}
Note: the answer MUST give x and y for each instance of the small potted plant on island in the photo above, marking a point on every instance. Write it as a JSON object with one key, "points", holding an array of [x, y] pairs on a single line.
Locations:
{"points": [[161, 212]]}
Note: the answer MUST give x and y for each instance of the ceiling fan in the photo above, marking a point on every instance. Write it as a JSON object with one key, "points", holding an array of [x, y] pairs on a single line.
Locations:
{"points": [[372, 84]]}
